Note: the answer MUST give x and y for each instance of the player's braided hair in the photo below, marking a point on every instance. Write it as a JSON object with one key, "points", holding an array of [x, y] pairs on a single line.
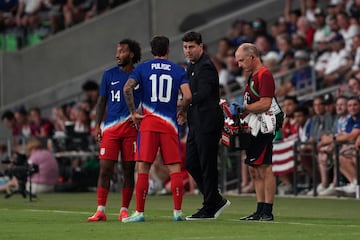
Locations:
{"points": [[134, 48]]}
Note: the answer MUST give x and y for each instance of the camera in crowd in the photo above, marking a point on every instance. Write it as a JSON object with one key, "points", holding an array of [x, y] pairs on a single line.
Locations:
{"points": [[21, 169]]}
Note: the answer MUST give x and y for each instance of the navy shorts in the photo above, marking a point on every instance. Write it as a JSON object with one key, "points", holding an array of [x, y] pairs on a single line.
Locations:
{"points": [[260, 150]]}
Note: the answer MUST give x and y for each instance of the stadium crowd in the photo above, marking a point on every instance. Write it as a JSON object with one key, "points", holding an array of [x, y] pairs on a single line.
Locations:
{"points": [[314, 55], [27, 22]]}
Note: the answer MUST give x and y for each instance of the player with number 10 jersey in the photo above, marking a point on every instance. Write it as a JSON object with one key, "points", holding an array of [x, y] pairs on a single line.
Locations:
{"points": [[160, 81]]}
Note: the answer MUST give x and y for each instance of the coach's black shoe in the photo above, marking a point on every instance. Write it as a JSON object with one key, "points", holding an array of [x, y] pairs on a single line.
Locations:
{"points": [[220, 207], [202, 214], [266, 217], [253, 217]]}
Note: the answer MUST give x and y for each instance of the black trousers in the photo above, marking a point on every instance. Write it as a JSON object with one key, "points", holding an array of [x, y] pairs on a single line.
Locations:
{"points": [[201, 163]]}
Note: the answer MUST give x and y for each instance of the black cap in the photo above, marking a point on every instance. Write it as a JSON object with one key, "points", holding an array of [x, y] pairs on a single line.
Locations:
{"points": [[319, 12], [328, 98]]}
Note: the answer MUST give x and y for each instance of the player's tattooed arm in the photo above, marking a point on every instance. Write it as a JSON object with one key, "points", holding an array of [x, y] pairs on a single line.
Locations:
{"points": [[128, 94]]}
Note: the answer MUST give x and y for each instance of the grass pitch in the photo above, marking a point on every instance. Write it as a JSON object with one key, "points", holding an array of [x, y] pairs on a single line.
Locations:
{"points": [[63, 216]]}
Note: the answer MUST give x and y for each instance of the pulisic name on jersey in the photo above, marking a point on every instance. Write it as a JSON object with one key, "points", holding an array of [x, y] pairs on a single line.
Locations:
{"points": [[163, 66]]}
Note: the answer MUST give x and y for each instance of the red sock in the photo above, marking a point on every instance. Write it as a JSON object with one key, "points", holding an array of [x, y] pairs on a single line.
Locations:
{"points": [[142, 186], [126, 196], [177, 189], [102, 194]]}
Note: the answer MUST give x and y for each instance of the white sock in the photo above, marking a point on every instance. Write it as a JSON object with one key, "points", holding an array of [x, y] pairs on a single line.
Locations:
{"points": [[101, 208], [123, 209]]}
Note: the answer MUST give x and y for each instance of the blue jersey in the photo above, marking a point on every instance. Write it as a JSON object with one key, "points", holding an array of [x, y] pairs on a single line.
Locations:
{"points": [[111, 88], [159, 81], [353, 123]]}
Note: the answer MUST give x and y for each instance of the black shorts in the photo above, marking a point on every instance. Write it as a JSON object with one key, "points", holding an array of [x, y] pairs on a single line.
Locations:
{"points": [[260, 150]]}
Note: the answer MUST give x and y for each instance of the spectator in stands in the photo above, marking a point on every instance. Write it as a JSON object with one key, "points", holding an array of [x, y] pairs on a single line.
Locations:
{"points": [[7, 14], [224, 45], [225, 89], [91, 90], [322, 53], [22, 118], [354, 86], [347, 29], [28, 13], [291, 16], [301, 81], [355, 56], [357, 143], [9, 185], [98, 7], [308, 9], [289, 134], [338, 63], [287, 62], [283, 44], [56, 15], [271, 61], [329, 103], [326, 154], [322, 122], [58, 118], [236, 33], [279, 27], [322, 28], [347, 151], [302, 120], [249, 33], [42, 127], [82, 120], [235, 78], [45, 179], [354, 9], [305, 29], [8, 118], [260, 26], [264, 44], [75, 11], [298, 42], [333, 24]]}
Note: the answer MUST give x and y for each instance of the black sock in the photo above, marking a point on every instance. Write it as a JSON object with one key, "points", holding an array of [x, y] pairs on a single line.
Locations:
{"points": [[267, 209], [260, 207]]}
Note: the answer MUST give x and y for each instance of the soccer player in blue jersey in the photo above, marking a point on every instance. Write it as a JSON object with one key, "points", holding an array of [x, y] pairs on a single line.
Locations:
{"points": [[160, 81], [118, 132]]}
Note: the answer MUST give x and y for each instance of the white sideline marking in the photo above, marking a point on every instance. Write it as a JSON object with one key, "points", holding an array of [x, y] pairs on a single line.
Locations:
{"points": [[230, 220]]}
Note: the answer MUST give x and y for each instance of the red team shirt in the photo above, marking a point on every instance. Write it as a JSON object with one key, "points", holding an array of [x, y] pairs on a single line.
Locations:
{"points": [[264, 88]]}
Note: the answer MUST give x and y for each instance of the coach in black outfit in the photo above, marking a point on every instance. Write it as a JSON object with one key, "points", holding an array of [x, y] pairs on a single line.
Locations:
{"points": [[205, 121]]}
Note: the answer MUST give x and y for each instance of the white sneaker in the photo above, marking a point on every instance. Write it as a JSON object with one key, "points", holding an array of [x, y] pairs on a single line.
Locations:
{"points": [[135, 217], [178, 216], [320, 188], [349, 188], [330, 191]]}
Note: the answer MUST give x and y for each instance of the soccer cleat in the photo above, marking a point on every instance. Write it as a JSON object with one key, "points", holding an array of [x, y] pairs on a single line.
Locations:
{"points": [[98, 216], [266, 217], [135, 217], [202, 214], [220, 207], [178, 216], [253, 217], [123, 214]]}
